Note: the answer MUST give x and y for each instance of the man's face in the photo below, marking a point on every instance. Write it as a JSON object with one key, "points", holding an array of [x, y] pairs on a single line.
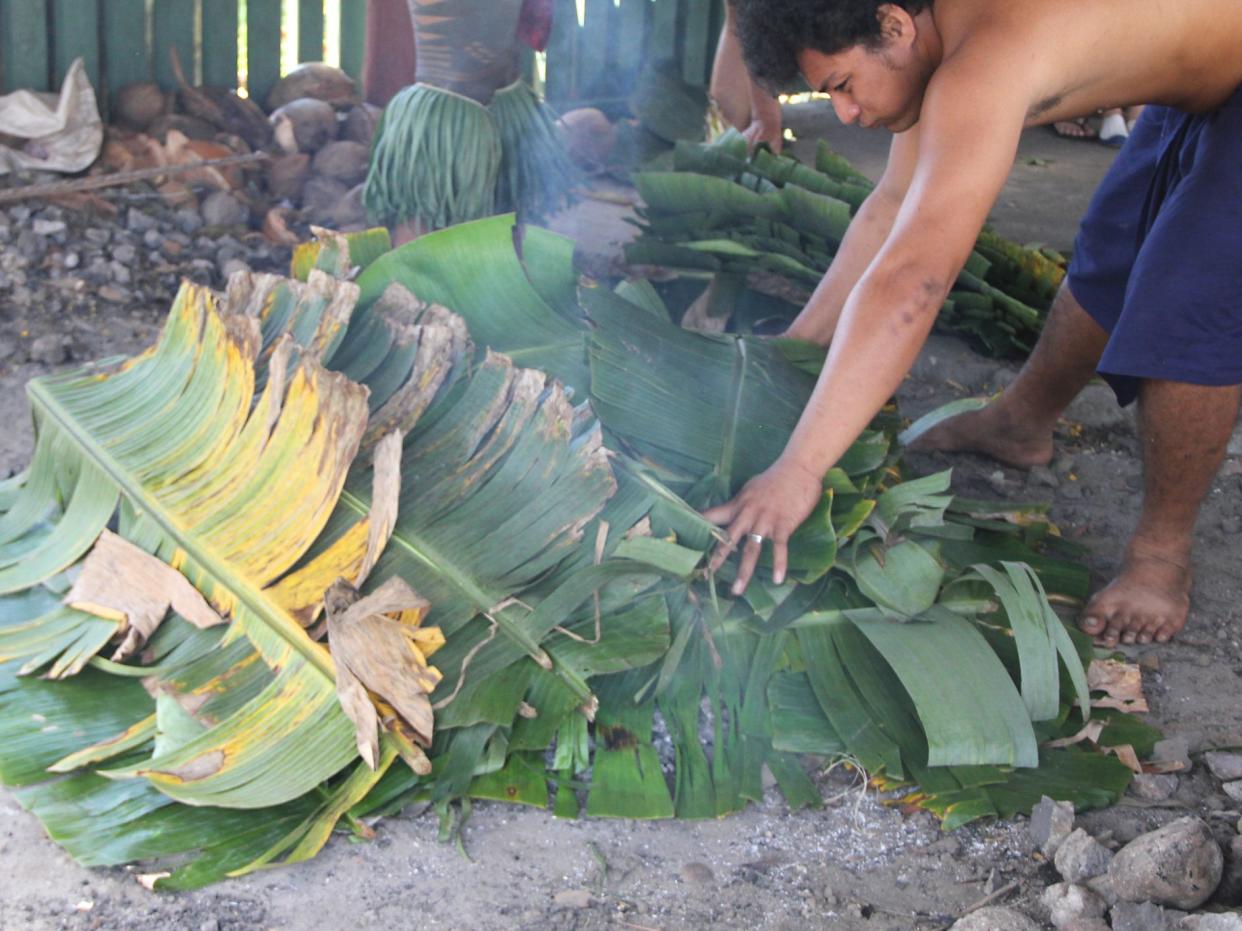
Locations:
{"points": [[874, 87]]}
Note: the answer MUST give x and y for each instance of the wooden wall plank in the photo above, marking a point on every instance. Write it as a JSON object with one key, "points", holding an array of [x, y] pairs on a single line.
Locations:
{"points": [[126, 57], [262, 47], [220, 22], [75, 34], [633, 16], [699, 43], [310, 30], [562, 86], [663, 45], [353, 37], [24, 48], [173, 28], [597, 33]]}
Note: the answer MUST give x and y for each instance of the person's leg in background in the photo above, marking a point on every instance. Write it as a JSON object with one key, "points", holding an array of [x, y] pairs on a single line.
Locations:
{"points": [[388, 63]]}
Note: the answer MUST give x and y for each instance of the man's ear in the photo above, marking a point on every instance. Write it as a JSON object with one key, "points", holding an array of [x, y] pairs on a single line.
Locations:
{"points": [[896, 24]]}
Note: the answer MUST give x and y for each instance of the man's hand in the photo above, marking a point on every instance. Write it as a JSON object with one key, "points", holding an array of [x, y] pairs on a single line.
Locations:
{"points": [[772, 505]]}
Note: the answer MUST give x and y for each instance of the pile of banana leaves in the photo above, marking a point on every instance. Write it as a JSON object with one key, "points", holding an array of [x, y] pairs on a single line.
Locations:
{"points": [[421, 524], [720, 213]]}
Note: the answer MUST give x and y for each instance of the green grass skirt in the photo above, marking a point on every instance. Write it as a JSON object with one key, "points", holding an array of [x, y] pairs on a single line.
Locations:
{"points": [[440, 158]]}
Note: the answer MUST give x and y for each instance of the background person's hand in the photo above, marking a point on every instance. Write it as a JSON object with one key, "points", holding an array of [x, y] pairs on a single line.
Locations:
{"points": [[761, 130], [773, 505]]}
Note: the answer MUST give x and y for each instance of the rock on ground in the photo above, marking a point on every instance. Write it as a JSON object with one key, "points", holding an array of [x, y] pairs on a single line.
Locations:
{"points": [[1081, 857], [223, 209], [1229, 892], [995, 918], [1068, 903], [1224, 766], [1178, 865], [1155, 788], [1230, 921], [1146, 916], [1051, 823]]}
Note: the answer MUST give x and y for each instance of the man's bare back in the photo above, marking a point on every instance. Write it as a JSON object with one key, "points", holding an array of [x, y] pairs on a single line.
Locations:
{"points": [[1082, 57]]}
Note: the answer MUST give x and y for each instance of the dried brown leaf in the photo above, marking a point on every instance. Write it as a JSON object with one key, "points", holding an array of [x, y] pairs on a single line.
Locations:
{"points": [[1122, 684], [380, 649], [385, 496], [121, 581], [1089, 734]]}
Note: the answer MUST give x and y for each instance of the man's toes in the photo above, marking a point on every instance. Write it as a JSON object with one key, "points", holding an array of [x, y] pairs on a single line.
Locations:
{"points": [[1116, 628], [1170, 629], [1151, 628], [1093, 622]]}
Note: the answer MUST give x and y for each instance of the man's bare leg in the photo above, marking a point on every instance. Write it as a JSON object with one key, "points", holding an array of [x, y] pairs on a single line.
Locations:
{"points": [[1017, 427], [1185, 431], [407, 231]]}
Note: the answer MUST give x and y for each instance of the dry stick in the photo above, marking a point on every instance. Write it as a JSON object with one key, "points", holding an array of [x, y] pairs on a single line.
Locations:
{"points": [[994, 897], [56, 188]]}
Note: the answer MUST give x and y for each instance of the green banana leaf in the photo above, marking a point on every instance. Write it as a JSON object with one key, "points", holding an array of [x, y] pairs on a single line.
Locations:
{"points": [[557, 547]]}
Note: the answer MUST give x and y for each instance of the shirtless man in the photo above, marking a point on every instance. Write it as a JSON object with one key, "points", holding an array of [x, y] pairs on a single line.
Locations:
{"points": [[1153, 300]]}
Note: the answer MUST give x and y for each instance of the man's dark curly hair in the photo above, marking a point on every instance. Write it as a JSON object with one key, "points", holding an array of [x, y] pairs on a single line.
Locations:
{"points": [[773, 32]]}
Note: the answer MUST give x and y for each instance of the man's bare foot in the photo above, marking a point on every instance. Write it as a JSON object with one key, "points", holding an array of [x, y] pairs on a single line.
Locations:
{"points": [[992, 432], [1074, 129], [1147, 601]]}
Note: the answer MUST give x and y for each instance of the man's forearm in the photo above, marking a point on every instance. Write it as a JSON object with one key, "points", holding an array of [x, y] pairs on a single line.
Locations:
{"points": [[863, 241], [884, 325]]}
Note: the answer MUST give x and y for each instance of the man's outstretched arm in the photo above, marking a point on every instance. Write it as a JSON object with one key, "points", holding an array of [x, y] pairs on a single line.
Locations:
{"points": [[867, 234], [970, 129]]}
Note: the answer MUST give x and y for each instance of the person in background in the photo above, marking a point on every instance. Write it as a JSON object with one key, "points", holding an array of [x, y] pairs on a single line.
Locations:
{"points": [[388, 62], [469, 138], [1116, 125]]}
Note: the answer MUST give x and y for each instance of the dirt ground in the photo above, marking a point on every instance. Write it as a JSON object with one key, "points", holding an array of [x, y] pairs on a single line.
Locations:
{"points": [[853, 865]]}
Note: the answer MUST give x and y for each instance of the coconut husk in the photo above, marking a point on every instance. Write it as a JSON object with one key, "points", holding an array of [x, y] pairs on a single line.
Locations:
{"points": [[189, 126], [349, 213], [345, 161], [304, 125], [223, 108], [287, 175], [321, 195], [276, 227], [122, 151], [317, 81], [361, 123], [137, 106], [237, 144], [588, 136]]}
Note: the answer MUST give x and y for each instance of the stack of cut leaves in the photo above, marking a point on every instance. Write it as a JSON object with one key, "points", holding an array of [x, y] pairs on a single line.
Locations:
{"points": [[666, 112], [748, 220], [331, 546]]}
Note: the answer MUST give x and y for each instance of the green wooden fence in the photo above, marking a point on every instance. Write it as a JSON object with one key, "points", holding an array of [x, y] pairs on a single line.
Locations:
{"points": [[235, 43]]}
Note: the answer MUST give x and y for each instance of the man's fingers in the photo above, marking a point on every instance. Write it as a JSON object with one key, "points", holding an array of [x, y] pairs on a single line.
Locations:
{"points": [[720, 555], [780, 560], [746, 567], [722, 514]]}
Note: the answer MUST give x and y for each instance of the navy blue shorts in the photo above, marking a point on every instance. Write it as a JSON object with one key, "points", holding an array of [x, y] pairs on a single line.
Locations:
{"points": [[1158, 260]]}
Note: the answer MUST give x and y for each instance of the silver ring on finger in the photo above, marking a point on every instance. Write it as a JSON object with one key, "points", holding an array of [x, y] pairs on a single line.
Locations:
{"points": [[756, 538]]}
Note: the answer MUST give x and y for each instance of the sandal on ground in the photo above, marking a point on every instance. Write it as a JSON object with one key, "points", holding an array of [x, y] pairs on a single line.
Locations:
{"points": [[1074, 129], [1113, 130]]}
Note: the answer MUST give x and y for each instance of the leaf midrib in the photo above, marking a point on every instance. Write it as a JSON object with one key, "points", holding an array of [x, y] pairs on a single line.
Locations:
{"points": [[316, 655]]}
